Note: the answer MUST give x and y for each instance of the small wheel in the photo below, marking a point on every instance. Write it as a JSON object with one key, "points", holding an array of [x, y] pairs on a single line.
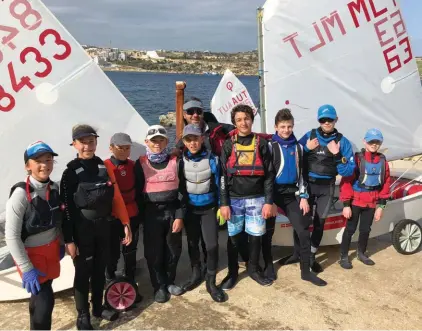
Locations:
{"points": [[120, 294], [407, 237]]}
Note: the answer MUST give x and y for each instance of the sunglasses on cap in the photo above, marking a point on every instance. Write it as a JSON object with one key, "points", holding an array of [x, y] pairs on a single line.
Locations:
{"points": [[154, 131], [325, 120], [192, 111]]}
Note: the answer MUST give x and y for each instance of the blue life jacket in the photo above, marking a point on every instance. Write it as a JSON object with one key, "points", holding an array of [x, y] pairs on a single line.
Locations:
{"points": [[371, 175]]}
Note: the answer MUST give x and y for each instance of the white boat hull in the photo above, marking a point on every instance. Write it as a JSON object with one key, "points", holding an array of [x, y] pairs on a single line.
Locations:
{"points": [[409, 207]]}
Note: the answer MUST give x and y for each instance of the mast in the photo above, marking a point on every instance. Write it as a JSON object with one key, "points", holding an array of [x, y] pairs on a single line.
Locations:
{"points": [[262, 108]]}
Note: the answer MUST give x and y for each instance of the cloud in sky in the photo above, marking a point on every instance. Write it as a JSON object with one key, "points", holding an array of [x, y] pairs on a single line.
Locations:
{"points": [[218, 25]]}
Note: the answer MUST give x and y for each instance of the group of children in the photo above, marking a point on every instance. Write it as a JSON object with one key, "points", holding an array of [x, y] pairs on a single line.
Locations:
{"points": [[218, 173]]}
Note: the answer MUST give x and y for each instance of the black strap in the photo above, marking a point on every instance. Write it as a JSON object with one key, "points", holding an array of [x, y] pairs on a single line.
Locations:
{"points": [[313, 134], [21, 185]]}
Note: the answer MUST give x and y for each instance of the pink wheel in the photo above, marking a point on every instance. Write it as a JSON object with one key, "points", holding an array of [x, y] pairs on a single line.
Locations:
{"points": [[121, 295]]}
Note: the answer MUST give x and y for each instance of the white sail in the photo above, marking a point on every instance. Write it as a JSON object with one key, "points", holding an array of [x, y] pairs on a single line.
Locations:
{"points": [[353, 54], [230, 93], [62, 86]]}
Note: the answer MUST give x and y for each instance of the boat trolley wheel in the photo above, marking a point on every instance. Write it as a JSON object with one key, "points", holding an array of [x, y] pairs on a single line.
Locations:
{"points": [[407, 237], [120, 294]]}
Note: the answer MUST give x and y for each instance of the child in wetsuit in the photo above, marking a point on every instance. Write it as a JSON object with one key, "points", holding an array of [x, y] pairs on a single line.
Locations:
{"points": [[246, 191], [200, 175], [157, 185], [33, 218], [121, 169], [90, 196], [290, 194], [364, 196]]}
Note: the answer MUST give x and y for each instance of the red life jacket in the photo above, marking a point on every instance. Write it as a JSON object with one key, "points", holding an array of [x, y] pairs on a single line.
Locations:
{"points": [[217, 139], [125, 179], [245, 160]]}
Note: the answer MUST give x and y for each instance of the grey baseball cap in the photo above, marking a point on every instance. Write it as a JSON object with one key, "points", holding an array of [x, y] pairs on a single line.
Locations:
{"points": [[193, 130], [120, 139]]}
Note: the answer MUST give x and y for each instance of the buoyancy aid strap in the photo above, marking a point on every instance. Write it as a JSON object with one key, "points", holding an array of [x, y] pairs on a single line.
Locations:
{"points": [[299, 160]]}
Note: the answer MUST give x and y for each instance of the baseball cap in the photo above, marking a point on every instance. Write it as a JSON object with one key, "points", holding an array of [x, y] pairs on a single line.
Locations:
{"points": [[191, 129], [120, 139], [327, 111], [155, 131], [36, 149], [373, 134], [193, 104], [80, 131]]}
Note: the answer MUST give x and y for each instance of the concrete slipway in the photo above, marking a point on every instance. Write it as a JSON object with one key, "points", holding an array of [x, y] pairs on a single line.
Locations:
{"points": [[385, 296]]}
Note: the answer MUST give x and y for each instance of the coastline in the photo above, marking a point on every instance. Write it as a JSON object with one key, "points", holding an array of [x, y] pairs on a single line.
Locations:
{"points": [[136, 69]]}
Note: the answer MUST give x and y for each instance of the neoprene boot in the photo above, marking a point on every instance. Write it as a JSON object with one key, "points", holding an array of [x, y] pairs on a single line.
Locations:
{"points": [[83, 321], [309, 276], [345, 262], [195, 279], [315, 266], [162, 295], [230, 280], [254, 252], [362, 244], [365, 259], [216, 293]]}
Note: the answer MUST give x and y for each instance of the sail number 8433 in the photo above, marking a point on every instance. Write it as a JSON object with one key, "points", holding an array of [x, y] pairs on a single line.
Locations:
{"points": [[24, 55]]}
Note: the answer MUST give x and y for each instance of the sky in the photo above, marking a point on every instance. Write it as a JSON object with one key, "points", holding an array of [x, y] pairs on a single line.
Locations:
{"points": [[216, 25]]}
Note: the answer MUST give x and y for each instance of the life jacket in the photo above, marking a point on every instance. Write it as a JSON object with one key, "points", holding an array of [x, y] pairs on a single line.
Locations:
{"points": [[45, 258], [199, 179], [44, 214], [217, 138], [245, 160], [160, 185], [95, 192], [286, 174], [125, 178], [371, 175], [320, 160]]}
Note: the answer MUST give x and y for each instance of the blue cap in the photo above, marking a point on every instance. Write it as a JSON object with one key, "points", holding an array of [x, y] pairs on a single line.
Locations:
{"points": [[192, 129], [36, 149], [327, 111], [373, 134]]}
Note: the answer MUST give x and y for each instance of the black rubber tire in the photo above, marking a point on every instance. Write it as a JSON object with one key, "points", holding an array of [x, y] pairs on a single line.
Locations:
{"points": [[397, 233]]}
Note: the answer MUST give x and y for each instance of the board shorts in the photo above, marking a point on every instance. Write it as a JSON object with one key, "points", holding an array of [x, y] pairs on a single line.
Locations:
{"points": [[247, 214]]}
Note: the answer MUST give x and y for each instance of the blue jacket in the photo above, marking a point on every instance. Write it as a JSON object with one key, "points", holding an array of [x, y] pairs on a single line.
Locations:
{"points": [[212, 197], [346, 150]]}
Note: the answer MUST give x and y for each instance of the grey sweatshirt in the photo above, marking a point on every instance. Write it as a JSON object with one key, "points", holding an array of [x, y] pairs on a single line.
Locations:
{"points": [[17, 208]]}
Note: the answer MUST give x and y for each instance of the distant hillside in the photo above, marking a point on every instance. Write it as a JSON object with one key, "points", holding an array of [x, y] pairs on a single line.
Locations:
{"points": [[245, 63], [419, 63]]}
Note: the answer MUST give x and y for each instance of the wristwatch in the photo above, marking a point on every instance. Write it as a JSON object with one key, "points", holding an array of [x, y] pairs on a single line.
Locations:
{"points": [[343, 160]]}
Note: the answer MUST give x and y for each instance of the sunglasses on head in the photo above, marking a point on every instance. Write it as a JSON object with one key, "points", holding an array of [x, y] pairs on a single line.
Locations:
{"points": [[154, 131], [192, 111], [325, 120]]}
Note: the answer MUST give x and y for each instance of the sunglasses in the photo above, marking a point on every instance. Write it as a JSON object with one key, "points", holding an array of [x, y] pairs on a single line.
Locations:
{"points": [[325, 120], [154, 131], [374, 142], [192, 111]]}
